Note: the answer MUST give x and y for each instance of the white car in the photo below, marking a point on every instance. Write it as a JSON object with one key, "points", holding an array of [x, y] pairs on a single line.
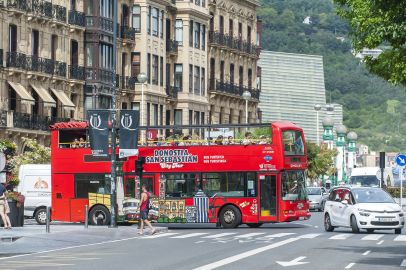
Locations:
{"points": [[362, 208]]}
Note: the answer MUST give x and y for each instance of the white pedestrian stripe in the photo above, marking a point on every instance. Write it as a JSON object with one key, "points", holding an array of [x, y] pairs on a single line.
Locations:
{"points": [[219, 235], [400, 238], [158, 235], [366, 252], [248, 235], [278, 235], [372, 237], [340, 236], [188, 235], [349, 266], [309, 235]]}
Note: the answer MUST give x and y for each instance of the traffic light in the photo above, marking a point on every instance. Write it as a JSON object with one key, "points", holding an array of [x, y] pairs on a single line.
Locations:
{"points": [[139, 166], [382, 160]]}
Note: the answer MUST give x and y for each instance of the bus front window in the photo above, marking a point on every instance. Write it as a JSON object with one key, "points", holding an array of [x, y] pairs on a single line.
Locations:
{"points": [[293, 142], [293, 186]]}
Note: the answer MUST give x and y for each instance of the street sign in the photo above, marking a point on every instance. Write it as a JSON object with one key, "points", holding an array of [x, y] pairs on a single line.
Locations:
{"points": [[401, 159]]}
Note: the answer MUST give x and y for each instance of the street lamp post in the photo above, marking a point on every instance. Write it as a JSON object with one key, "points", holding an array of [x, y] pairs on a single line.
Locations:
{"points": [[247, 96], [317, 108], [142, 78]]}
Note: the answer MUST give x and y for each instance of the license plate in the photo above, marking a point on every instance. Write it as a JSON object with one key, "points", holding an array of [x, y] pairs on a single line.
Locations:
{"points": [[385, 219]]}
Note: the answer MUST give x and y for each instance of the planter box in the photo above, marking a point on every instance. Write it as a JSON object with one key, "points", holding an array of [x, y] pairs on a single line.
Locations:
{"points": [[16, 214]]}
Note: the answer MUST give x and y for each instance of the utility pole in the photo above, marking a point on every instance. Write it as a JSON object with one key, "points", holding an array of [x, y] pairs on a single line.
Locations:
{"points": [[113, 189]]}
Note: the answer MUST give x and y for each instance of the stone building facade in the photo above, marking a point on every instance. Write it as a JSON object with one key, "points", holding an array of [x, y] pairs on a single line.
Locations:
{"points": [[56, 62]]}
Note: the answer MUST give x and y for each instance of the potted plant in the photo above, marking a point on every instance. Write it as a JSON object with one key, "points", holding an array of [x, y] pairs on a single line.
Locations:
{"points": [[16, 204]]}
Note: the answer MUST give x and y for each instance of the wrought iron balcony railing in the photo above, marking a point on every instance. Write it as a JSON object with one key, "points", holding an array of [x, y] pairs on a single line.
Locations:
{"points": [[77, 73], [171, 46], [233, 43], [21, 5], [172, 91], [77, 18], [14, 119], [60, 69], [233, 89], [99, 75], [127, 32], [101, 23], [59, 13], [42, 8], [127, 82]]}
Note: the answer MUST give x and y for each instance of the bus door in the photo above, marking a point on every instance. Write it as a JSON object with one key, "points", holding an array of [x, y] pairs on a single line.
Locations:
{"points": [[133, 184], [268, 203]]}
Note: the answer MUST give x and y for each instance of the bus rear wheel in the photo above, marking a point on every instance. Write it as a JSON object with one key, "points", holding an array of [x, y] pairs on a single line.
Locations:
{"points": [[254, 225], [230, 217], [99, 215]]}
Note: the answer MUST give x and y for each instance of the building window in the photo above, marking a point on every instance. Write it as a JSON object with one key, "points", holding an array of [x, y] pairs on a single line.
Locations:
{"points": [[190, 78], [191, 33], [221, 25], [161, 115], [178, 117], [154, 117], [89, 55], [197, 35], [155, 21], [161, 29], [89, 7], [230, 28], [54, 46], [135, 64], [136, 18], [203, 3], [178, 76], [241, 76], [197, 80], [106, 56], [149, 67], [168, 75], [149, 20], [161, 71], [222, 71], [240, 30], [106, 8], [249, 34], [231, 73], [190, 117], [249, 78], [155, 69], [148, 114], [12, 44], [203, 37], [203, 82], [179, 32], [34, 43]]}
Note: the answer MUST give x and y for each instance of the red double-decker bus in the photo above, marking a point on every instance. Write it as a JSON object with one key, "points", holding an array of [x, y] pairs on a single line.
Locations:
{"points": [[195, 178]]}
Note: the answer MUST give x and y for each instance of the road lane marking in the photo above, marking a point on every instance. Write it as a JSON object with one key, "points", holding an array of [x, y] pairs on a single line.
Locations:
{"points": [[293, 262], [278, 235], [245, 255], [366, 252], [218, 235], [372, 237], [309, 235], [380, 242], [188, 235], [349, 266], [400, 238], [158, 235], [248, 235], [340, 236], [403, 264]]}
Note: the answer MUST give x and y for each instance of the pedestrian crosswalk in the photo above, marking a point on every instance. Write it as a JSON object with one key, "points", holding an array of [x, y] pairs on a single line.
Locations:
{"points": [[265, 236]]}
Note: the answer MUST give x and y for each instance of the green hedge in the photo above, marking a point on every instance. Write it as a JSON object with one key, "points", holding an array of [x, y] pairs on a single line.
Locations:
{"points": [[395, 191]]}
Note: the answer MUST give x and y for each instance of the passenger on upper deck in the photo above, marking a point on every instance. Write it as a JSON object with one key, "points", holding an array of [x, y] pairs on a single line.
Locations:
{"points": [[219, 140], [263, 139], [248, 138]]}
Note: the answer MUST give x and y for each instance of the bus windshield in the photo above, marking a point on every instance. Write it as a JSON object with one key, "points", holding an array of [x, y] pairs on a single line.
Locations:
{"points": [[293, 186], [364, 180], [293, 143]]}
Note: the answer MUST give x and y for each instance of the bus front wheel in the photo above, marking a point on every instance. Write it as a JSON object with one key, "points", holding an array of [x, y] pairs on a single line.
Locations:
{"points": [[230, 217], [99, 215]]}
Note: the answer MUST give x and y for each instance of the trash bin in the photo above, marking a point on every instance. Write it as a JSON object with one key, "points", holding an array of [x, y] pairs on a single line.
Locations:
{"points": [[16, 214]]}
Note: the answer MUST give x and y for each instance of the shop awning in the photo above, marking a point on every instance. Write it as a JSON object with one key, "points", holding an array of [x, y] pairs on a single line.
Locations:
{"points": [[44, 95], [25, 97], [63, 98]]}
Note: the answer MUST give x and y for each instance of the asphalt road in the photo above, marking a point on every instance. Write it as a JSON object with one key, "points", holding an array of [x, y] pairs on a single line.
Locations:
{"points": [[297, 245]]}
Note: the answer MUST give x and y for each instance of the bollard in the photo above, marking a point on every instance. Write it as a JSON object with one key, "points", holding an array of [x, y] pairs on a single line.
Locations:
{"points": [[86, 216], [48, 219]]}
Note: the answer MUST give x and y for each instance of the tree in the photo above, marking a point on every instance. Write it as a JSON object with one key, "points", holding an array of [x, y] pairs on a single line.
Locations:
{"points": [[34, 154], [376, 23], [320, 160]]}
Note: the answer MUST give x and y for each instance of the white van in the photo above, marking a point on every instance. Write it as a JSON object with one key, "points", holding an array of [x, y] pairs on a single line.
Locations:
{"points": [[35, 185], [368, 176]]}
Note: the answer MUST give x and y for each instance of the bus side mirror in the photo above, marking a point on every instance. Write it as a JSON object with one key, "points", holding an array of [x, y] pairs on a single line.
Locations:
{"points": [[139, 166]]}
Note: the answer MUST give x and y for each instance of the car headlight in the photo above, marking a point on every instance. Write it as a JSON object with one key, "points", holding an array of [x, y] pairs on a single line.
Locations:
{"points": [[364, 214], [401, 214]]}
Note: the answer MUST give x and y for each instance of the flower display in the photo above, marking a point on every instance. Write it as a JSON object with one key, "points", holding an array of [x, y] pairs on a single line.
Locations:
{"points": [[15, 196]]}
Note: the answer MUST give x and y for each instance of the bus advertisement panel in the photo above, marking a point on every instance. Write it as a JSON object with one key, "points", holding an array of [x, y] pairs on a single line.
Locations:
{"points": [[229, 183]]}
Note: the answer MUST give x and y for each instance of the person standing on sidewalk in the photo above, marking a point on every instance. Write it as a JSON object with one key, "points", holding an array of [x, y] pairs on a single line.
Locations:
{"points": [[4, 209], [144, 208]]}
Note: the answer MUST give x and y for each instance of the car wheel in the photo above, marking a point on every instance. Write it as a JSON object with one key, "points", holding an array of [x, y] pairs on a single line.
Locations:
{"points": [[99, 215], [370, 230], [41, 216], [230, 217], [398, 231], [327, 223], [354, 225], [254, 225]]}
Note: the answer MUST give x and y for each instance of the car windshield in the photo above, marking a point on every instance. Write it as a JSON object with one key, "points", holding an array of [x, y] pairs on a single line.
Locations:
{"points": [[313, 191], [364, 180], [293, 185], [373, 195]]}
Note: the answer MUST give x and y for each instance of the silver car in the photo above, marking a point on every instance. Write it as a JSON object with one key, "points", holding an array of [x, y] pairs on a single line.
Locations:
{"points": [[316, 197]]}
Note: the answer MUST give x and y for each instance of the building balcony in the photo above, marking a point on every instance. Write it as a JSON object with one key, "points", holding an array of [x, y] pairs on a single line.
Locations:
{"points": [[171, 46], [77, 18], [233, 89], [76, 73], [100, 23], [127, 33], [232, 43], [20, 5], [172, 91], [98, 75], [127, 83], [60, 69], [12, 119], [42, 8], [59, 13]]}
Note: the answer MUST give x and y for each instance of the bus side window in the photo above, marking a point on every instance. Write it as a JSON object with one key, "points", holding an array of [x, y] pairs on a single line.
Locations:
{"points": [[251, 184]]}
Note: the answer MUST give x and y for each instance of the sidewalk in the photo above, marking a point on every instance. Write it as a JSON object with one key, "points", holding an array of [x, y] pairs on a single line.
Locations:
{"points": [[34, 238]]}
